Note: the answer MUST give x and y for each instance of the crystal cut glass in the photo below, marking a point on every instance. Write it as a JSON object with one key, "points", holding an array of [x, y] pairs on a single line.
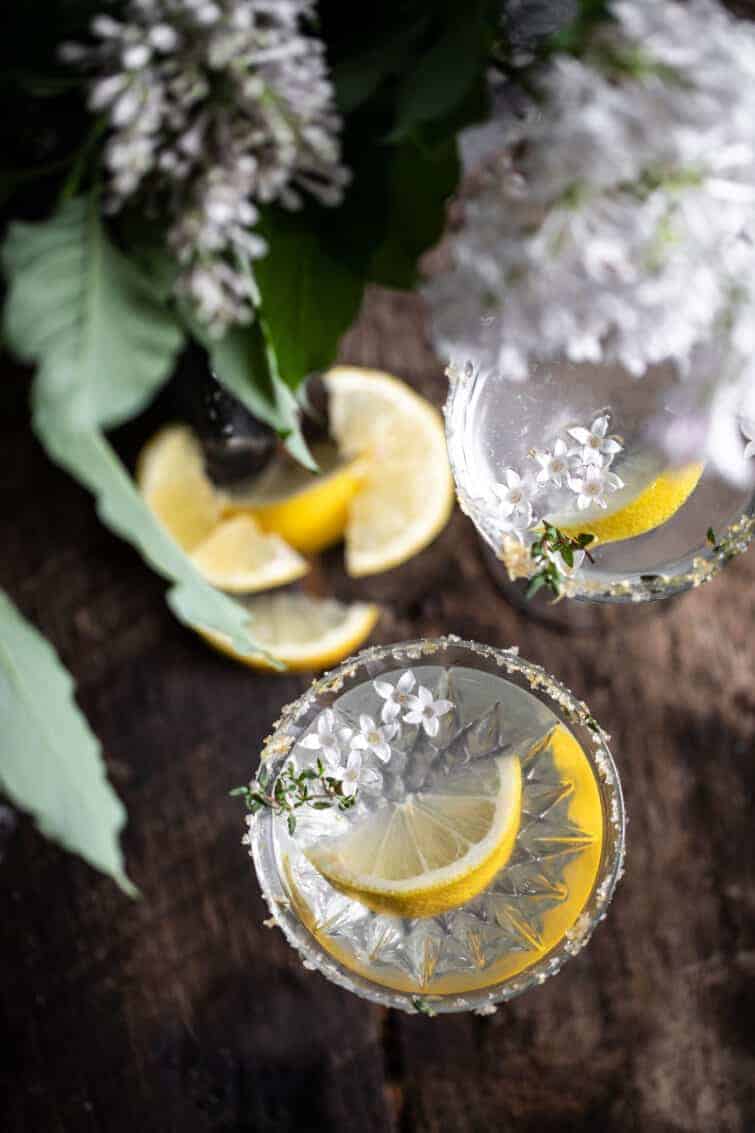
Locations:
{"points": [[480, 745], [576, 446]]}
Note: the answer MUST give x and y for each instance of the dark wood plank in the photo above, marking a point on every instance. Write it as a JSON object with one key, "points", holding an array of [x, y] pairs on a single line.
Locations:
{"points": [[182, 1011]]}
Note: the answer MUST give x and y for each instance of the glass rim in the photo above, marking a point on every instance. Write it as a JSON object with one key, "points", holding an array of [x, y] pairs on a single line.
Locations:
{"points": [[735, 539], [594, 741]]}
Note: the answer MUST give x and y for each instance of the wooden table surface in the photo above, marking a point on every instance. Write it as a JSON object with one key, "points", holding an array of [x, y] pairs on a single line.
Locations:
{"points": [[182, 1012]]}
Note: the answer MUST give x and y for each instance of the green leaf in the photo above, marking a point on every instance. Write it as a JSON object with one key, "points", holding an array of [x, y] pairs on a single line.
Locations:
{"points": [[421, 179], [50, 762], [444, 75], [88, 456], [537, 582], [103, 339], [310, 292], [103, 342]]}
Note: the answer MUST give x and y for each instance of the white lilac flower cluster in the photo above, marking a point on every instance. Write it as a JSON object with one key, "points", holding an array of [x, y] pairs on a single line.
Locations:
{"points": [[214, 107], [344, 750], [618, 224], [580, 459]]}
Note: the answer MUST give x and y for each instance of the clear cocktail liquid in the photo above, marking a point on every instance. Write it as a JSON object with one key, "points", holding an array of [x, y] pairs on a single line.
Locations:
{"points": [[566, 823]]}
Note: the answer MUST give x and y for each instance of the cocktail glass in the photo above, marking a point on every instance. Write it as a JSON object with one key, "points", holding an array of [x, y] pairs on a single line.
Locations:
{"points": [[481, 845], [577, 447]]}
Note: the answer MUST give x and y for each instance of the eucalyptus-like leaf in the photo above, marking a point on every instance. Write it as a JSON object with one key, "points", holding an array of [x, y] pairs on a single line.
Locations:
{"points": [[88, 456], [50, 762], [102, 338]]}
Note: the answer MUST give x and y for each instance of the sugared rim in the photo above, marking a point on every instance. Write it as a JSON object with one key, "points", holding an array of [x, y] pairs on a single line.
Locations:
{"points": [[733, 541], [296, 717]]}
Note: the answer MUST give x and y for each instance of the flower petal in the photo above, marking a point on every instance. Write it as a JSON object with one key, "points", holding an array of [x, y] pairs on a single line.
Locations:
{"points": [[366, 723], [383, 688], [612, 446], [311, 742], [431, 725], [599, 427], [390, 711], [614, 482], [354, 762], [583, 502], [360, 742], [382, 751], [389, 731], [414, 716], [582, 436], [406, 681], [345, 734], [559, 449], [441, 707], [749, 450]]}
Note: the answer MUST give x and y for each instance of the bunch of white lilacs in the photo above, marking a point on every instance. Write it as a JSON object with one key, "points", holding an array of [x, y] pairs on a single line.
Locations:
{"points": [[213, 107], [615, 223], [345, 756]]}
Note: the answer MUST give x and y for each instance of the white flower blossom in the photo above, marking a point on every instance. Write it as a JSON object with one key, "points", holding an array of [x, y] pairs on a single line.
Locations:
{"points": [[395, 696], [592, 485], [425, 711], [596, 446], [329, 738], [515, 498], [212, 107], [554, 464], [616, 225], [374, 737], [351, 773], [748, 428]]}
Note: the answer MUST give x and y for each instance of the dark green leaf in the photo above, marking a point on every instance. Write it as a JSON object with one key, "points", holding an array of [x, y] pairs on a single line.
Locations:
{"points": [[291, 824], [50, 762], [309, 294], [443, 76], [238, 791], [567, 555]]}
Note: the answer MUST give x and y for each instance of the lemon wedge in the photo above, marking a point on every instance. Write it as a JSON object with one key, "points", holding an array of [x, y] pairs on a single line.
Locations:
{"points": [[240, 558], [233, 554], [406, 493], [303, 632], [629, 513], [171, 477], [310, 511], [433, 851]]}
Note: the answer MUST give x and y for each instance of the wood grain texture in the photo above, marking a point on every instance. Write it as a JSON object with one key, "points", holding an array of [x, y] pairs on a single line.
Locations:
{"points": [[182, 1012]]}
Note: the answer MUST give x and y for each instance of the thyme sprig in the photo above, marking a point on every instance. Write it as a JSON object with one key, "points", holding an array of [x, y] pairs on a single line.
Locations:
{"points": [[292, 790], [543, 551]]}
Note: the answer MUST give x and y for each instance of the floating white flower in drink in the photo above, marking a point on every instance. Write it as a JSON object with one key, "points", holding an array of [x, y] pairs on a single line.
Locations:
{"points": [[515, 497], [395, 696], [593, 484], [374, 737], [595, 445], [328, 738], [554, 464], [426, 711]]}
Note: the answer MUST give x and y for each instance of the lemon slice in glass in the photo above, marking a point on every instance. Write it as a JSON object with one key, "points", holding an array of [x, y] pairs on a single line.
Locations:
{"points": [[406, 494], [434, 850], [648, 499], [303, 632]]}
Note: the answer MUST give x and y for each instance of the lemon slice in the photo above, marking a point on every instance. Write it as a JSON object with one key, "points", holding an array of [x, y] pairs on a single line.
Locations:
{"points": [[406, 495], [171, 477], [302, 632], [240, 558], [432, 852], [310, 511], [630, 513]]}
